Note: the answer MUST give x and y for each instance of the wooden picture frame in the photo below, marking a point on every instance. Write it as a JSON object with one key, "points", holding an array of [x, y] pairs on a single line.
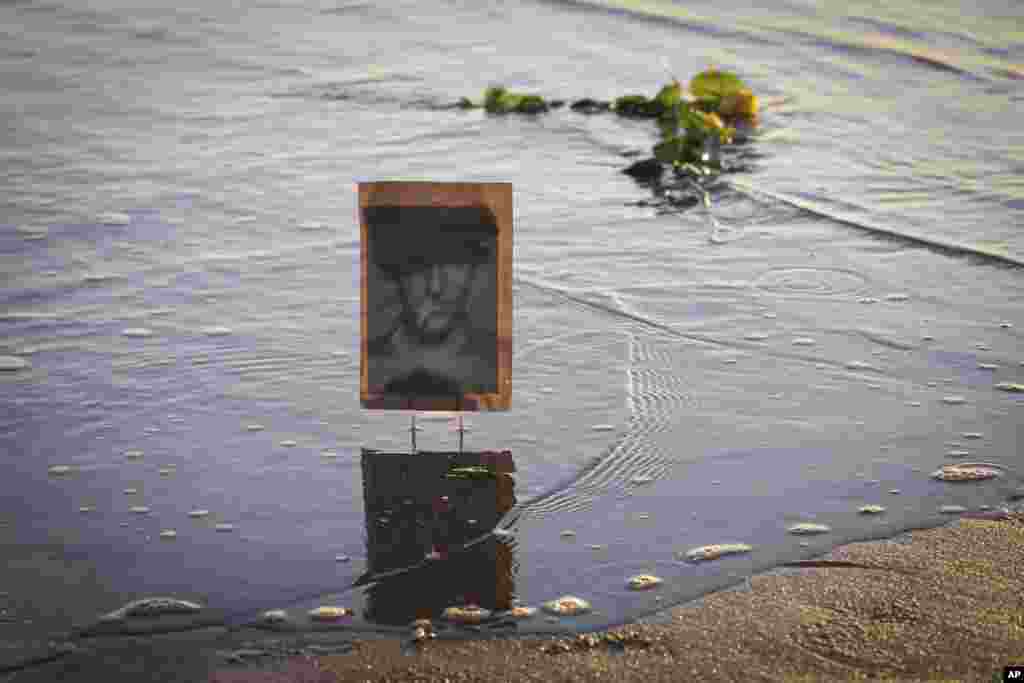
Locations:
{"points": [[435, 296]]}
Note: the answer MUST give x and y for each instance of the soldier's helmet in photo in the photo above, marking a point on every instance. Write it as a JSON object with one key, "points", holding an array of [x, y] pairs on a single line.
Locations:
{"points": [[406, 239]]}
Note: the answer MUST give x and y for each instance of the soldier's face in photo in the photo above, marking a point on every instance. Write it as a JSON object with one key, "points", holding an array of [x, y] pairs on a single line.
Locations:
{"points": [[435, 300]]}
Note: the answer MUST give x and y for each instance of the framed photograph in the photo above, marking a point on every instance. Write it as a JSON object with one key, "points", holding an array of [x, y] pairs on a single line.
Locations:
{"points": [[436, 296]]}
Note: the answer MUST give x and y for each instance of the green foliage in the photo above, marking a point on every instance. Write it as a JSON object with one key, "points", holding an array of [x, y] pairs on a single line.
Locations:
{"points": [[498, 100], [715, 83], [638, 106]]}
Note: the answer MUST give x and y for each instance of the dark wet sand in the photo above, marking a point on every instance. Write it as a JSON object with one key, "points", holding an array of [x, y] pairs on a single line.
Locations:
{"points": [[938, 604]]}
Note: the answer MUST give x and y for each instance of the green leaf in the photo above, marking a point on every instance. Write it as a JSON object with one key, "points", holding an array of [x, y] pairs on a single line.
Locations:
{"points": [[715, 83], [670, 95]]}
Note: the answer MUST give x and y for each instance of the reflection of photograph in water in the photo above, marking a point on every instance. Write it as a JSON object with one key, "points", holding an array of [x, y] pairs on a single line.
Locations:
{"points": [[432, 295]]}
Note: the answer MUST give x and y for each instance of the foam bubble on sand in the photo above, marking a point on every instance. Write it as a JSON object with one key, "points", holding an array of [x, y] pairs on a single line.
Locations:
{"points": [[871, 509], [59, 469], [217, 331], [547, 390], [567, 605], [642, 582], [288, 443], [152, 607], [807, 528], [254, 428], [603, 428], [1010, 386], [133, 454], [13, 363], [713, 552], [197, 514], [113, 218], [803, 341], [168, 534], [137, 332], [139, 509], [755, 336], [954, 400]]}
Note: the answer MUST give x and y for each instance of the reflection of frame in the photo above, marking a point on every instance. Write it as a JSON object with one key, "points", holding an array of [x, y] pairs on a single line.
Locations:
{"points": [[436, 295]]}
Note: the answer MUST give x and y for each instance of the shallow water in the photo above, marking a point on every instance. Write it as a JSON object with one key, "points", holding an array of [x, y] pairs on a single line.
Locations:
{"points": [[180, 265]]}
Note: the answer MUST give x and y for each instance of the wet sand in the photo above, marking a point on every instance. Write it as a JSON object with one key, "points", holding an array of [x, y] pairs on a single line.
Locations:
{"points": [[939, 604]]}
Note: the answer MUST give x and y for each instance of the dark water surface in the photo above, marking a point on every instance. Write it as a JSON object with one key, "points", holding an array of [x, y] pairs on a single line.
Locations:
{"points": [[180, 277]]}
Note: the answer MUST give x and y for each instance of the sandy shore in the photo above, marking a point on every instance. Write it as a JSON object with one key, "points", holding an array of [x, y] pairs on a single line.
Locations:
{"points": [[938, 604]]}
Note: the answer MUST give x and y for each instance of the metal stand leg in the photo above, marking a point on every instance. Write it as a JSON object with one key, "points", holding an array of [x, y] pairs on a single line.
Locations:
{"points": [[412, 432], [462, 432]]}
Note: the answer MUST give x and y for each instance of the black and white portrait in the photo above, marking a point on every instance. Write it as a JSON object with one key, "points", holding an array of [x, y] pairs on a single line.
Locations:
{"points": [[432, 292]]}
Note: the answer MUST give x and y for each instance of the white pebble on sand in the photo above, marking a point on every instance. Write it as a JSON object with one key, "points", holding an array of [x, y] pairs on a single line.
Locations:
{"points": [[168, 534], [224, 527], [987, 366], [133, 454], [755, 336], [871, 509], [803, 341], [139, 509], [972, 435], [13, 363], [643, 582], [60, 469], [713, 552], [858, 365], [954, 400], [254, 428], [288, 443], [603, 428], [952, 509], [196, 514], [896, 297], [217, 331], [807, 528], [113, 218], [137, 332]]}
